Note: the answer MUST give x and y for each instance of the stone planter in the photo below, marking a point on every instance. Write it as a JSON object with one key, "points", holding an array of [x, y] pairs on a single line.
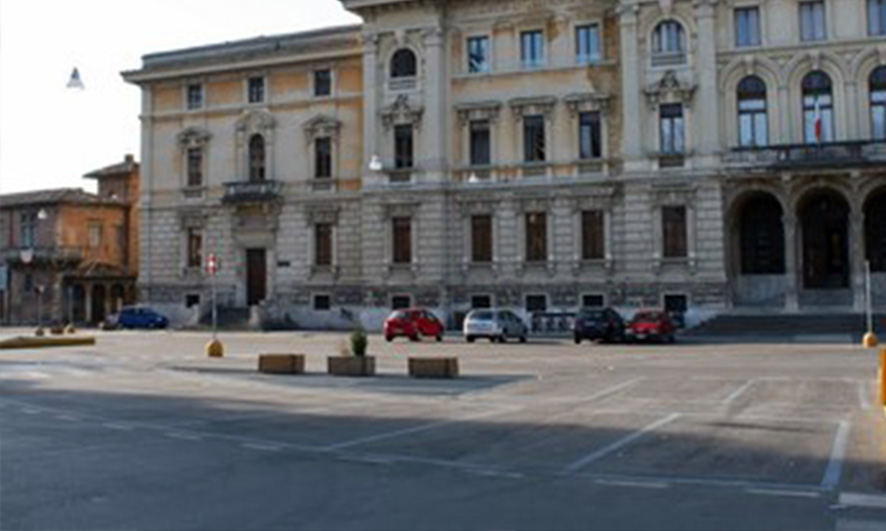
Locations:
{"points": [[433, 367], [281, 363], [351, 365]]}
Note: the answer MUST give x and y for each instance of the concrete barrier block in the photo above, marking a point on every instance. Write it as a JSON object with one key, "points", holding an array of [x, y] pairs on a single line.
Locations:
{"points": [[351, 365], [281, 363], [433, 367]]}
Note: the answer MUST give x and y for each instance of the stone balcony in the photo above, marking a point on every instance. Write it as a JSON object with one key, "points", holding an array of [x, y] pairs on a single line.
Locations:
{"points": [[826, 156], [47, 254], [242, 192]]}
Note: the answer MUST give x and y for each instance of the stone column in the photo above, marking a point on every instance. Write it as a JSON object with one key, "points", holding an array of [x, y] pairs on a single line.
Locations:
{"points": [[632, 143], [857, 258], [435, 123], [370, 99], [792, 302], [853, 112], [784, 109], [706, 112]]}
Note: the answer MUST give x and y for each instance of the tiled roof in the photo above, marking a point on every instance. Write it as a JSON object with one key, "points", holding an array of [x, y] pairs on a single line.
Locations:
{"points": [[55, 196], [121, 168]]}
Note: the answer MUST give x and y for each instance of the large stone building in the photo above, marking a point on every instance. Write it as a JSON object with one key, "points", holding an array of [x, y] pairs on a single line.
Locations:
{"points": [[67, 255], [541, 155]]}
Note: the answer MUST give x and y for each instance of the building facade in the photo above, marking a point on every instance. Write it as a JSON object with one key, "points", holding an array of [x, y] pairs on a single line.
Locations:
{"points": [[68, 256], [705, 156]]}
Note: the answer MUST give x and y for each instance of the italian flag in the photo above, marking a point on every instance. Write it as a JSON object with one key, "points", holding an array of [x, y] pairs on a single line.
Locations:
{"points": [[817, 121]]}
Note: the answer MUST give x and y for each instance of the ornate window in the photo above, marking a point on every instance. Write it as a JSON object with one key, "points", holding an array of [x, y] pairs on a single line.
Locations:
{"points": [[195, 248], [401, 228], [322, 82], [536, 237], [256, 158], [878, 103], [255, 87], [480, 143], [674, 233], [818, 108], [478, 54], [404, 64], [747, 26], [323, 244], [194, 93], [323, 157], [532, 49], [672, 129], [195, 166], [403, 146], [534, 139], [481, 238], [587, 43], [752, 115], [590, 145], [668, 44], [593, 235], [877, 17], [812, 21]]}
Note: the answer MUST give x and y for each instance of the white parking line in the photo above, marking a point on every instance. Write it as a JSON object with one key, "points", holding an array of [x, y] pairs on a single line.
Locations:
{"points": [[785, 493], [119, 427], [262, 447], [418, 429], [633, 484], [183, 436], [864, 398], [838, 452], [606, 392], [871, 501], [617, 445], [733, 396]]}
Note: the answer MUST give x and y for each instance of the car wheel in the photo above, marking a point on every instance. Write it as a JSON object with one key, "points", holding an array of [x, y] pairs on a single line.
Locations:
{"points": [[439, 338], [577, 339], [470, 339], [389, 338], [503, 338], [414, 338], [523, 338]]}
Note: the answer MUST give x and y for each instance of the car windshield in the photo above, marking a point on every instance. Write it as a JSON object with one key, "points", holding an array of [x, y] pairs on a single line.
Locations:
{"points": [[399, 315], [482, 316], [647, 317]]}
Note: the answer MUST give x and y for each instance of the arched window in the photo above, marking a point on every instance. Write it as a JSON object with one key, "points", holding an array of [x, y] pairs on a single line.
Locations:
{"points": [[257, 158], [404, 64], [878, 103], [818, 108], [752, 118], [668, 44]]}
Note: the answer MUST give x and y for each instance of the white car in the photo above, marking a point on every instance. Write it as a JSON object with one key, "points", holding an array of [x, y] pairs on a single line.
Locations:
{"points": [[496, 325]]}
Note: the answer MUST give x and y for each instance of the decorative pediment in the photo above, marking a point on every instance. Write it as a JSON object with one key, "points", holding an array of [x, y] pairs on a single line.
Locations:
{"points": [[397, 210], [192, 219], [476, 208], [669, 89], [322, 126], [478, 110], [674, 193], [401, 111], [587, 101], [193, 137], [534, 204], [536, 105], [256, 121], [601, 198], [322, 214]]}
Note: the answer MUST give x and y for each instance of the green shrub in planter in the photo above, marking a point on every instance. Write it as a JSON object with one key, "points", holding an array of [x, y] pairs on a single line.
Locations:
{"points": [[359, 342]]}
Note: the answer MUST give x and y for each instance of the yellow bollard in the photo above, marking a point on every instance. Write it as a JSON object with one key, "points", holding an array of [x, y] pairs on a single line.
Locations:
{"points": [[882, 382], [215, 349], [869, 340]]}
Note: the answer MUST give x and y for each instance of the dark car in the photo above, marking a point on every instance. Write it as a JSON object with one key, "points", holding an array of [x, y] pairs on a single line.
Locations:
{"points": [[652, 325], [413, 323], [598, 325], [138, 317]]}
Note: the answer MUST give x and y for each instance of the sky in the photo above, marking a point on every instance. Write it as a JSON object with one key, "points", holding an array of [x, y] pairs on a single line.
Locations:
{"points": [[50, 136]]}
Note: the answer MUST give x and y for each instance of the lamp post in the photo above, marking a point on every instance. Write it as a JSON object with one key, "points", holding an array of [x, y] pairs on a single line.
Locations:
{"points": [[870, 339]]}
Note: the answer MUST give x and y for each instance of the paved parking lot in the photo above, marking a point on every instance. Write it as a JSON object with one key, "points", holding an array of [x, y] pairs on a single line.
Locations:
{"points": [[143, 431]]}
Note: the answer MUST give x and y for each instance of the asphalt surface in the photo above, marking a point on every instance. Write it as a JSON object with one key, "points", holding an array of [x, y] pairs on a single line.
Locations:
{"points": [[142, 431]]}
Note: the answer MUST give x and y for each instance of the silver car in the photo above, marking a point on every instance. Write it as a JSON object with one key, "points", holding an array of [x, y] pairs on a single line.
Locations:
{"points": [[496, 325]]}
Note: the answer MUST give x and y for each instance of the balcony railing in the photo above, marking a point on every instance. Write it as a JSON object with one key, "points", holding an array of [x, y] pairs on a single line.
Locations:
{"points": [[831, 155], [53, 254], [252, 192]]}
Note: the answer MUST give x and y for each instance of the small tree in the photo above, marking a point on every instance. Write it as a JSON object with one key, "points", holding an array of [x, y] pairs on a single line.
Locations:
{"points": [[359, 342]]}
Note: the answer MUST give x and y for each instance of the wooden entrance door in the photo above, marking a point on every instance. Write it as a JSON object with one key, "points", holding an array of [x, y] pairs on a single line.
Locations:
{"points": [[826, 243], [256, 276]]}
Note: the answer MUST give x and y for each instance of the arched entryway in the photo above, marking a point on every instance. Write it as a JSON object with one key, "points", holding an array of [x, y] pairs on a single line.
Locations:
{"points": [[875, 231], [78, 303], [99, 295], [757, 250], [824, 221], [761, 235]]}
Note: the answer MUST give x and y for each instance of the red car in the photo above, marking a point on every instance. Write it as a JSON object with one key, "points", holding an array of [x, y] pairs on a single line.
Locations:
{"points": [[651, 325], [413, 323]]}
